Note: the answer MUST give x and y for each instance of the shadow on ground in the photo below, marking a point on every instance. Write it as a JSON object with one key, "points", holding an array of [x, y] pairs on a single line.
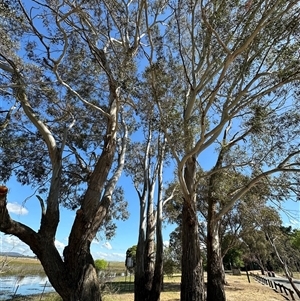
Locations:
{"points": [[128, 287]]}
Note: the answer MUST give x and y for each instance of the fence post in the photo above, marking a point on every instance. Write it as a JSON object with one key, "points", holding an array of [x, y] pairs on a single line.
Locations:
{"points": [[285, 290], [292, 294], [271, 283]]}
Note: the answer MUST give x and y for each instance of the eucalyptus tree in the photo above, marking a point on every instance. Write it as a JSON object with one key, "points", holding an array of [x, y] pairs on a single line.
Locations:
{"points": [[213, 194], [241, 221], [287, 253], [145, 164], [10, 32], [227, 62], [68, 68], [210, 63]]}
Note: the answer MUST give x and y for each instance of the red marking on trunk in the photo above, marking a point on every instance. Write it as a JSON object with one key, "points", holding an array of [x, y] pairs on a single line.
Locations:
{"points": [[3, 190]]}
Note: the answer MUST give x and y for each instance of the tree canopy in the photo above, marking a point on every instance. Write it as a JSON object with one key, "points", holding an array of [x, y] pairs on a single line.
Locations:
{"points": [[207, 77]]}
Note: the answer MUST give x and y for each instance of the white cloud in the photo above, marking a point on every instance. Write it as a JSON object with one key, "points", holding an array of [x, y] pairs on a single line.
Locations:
{"points": [[109, 256], [9, 243], [166, 244], [107, 245], [119, 256], [16, 209], [59, 245]]}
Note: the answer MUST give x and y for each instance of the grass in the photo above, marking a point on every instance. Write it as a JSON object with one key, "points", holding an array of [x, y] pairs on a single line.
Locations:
{"points": [[20, 266], [121, 290], [238, 289], [45, 297], [24, 266], [116, 266]]}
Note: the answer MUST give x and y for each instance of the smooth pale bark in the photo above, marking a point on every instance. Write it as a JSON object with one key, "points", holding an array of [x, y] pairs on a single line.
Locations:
{"points": [[292, 283], [158, 269], [145, 246], [149, 255], [285, 268]]}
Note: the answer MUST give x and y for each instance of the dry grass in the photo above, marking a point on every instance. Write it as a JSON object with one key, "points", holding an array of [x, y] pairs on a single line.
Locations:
{"points": [[238, 290], [20, 266]]}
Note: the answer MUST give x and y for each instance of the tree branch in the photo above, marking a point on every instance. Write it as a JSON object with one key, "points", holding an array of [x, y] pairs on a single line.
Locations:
{"points": [[9, 226]]}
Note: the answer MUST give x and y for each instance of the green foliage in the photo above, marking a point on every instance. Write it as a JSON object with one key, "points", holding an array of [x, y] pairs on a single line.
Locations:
{"points": [[296, 239], [130, 261], [233, 259], [170, 264], [101, 264], [207, 66]]}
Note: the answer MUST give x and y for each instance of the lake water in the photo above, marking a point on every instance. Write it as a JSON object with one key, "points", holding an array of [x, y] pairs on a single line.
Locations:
{"points": [[28, 285]]}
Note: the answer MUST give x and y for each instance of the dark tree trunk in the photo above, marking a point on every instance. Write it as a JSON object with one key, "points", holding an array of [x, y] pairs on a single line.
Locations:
{"points": [[139, 275], [192, 282], [158, 270], [215, 269], [74, 277], [83, 278], [144, 263], [145, 258], [139, 270], [143, 279], [76, 283], [215, 274], [157, 282]]}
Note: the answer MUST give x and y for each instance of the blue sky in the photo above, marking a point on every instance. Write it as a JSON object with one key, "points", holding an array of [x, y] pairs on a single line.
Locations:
{"points": [[127, 231], [25, 208]]}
